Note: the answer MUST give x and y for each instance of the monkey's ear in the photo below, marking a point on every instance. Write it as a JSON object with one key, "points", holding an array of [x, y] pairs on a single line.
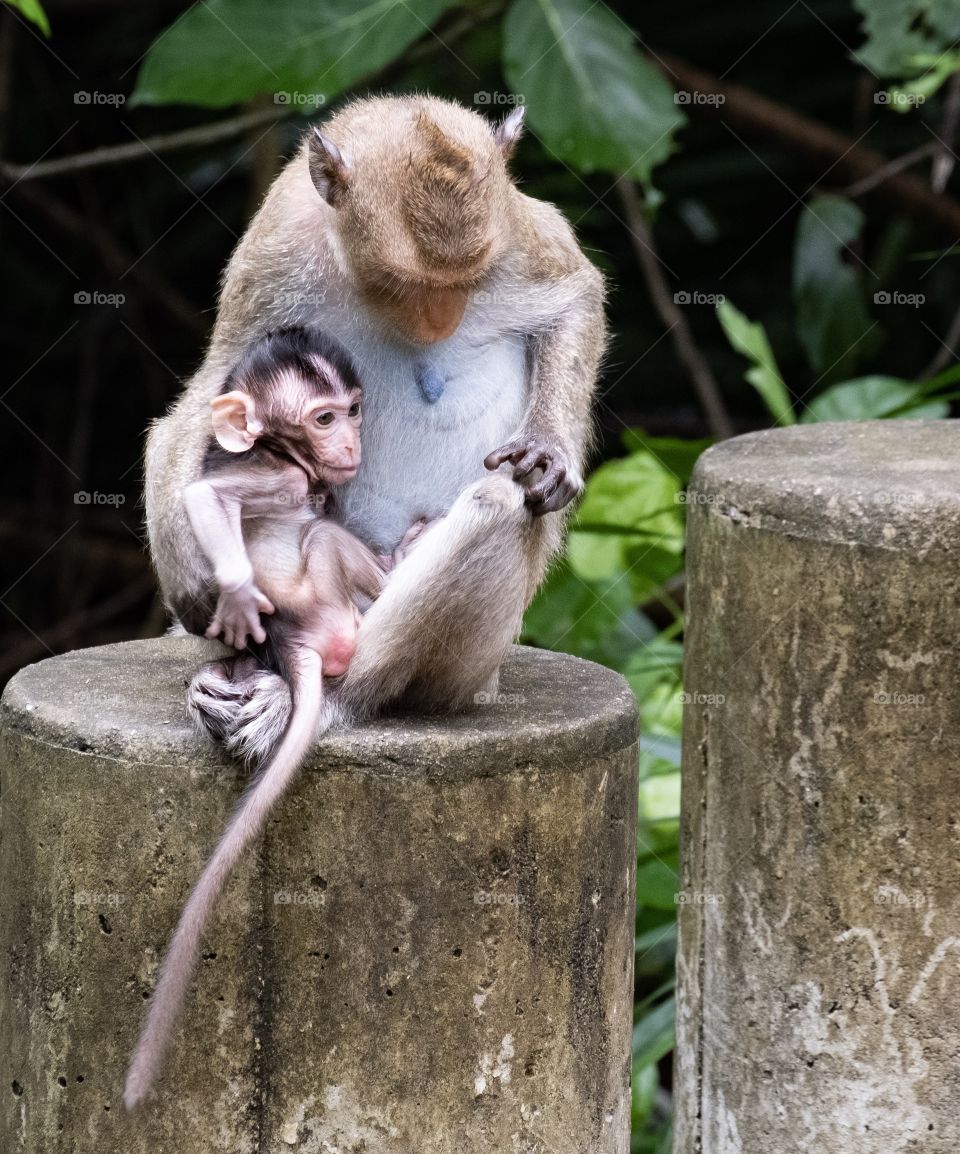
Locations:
{"points": [[235, 423], [329, 168], [509, 131]]}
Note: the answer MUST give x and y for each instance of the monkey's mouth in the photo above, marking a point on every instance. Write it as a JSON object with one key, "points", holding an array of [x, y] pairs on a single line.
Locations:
{"points": [[337, 476]]}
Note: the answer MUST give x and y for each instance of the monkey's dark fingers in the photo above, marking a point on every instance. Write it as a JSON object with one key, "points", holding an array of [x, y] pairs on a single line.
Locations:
{"points": [[566, 490], [554, 474], [559, 499], [535, 458], [511, 452]]}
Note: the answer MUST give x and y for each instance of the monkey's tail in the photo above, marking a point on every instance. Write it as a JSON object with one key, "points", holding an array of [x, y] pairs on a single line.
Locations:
{"points": [[244, 827]]}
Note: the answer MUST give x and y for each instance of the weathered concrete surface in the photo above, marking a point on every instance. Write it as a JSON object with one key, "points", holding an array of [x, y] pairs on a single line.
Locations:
{"points": [[432, 952], [819, 970]]}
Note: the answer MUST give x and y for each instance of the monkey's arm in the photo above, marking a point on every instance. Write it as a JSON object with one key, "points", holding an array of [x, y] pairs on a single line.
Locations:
{"points": [[557, 428], [215, 512]]}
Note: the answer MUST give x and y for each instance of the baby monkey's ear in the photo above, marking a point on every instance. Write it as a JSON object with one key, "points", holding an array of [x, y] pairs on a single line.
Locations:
{"points": [[235, 423]]}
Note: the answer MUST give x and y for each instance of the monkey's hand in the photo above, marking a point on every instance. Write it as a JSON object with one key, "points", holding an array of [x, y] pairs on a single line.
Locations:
{"points": [[559, 483], [237, 615]]}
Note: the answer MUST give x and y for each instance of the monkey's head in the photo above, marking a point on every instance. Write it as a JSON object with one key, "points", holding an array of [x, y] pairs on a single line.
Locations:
{"points": [[295, 391], [422, 196]]}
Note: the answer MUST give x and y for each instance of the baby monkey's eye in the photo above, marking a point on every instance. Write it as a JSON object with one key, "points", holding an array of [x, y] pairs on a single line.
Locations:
{"points": [[325, 417], [355, 409]]}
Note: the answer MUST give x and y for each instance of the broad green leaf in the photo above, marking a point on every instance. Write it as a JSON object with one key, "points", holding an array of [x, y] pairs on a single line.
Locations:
{"points": [[653, 1035], [660, 797], [596, 620], [900, 31], [646, 1079], [674, 453], [661, 710], [934, 71], [656, 948], [833, 323], [34, 12], [653, 671], [650, 567], [655, 938], [751, 340], [634, 494], [659, 754], [657, 883], [868, 398], [590, 95], [657, 661], [222, 52]]}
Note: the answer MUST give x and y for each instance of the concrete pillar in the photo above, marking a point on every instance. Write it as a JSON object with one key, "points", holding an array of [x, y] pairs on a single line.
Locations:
{"points": [[431, 952], [819, 967]]}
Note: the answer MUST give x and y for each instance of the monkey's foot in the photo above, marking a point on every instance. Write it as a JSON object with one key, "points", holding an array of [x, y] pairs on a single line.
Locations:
{"points": [[215, 697], [257, 726]]}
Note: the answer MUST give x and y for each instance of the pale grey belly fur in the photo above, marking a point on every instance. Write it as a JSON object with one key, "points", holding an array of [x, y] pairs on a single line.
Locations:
{"points": [[417, 456]]}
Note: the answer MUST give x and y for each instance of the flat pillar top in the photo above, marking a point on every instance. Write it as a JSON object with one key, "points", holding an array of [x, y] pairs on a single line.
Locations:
{"points": [[127, 701], [892, 484]]}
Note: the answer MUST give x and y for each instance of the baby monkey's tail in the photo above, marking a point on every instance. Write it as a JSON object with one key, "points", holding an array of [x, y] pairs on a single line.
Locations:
{"points": [[244, 828]]}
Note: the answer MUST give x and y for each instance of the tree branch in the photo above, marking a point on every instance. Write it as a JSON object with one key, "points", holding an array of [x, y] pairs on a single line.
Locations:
{"points": [[116, 258], [688, 353], [756, 113], [892, 166], [119, 153]]}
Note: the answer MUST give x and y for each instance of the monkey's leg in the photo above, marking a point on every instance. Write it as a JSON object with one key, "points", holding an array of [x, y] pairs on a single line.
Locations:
{"points": [[450, 610], [443, 624]]}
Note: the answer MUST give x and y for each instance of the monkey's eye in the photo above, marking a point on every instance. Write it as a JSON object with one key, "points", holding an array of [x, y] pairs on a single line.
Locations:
{"points": [[325, 418], [355, 409]]}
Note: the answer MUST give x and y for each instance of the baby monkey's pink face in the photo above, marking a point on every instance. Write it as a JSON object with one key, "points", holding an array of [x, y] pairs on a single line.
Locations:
{"points": [[332, 428], [320, 433]]}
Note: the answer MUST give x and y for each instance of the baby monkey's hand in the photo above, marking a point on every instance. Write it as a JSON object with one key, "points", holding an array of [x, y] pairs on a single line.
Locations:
{"points": [[237, 615]]}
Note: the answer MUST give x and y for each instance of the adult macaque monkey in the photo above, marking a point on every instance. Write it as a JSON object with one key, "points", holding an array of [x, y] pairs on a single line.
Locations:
{"points": [[477, 326]]}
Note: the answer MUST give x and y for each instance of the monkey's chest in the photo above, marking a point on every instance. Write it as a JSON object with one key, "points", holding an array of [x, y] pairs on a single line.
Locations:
{"points": [[430, 419]]}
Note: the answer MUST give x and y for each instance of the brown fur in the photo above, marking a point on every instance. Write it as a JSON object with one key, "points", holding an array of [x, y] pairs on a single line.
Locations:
{"points": [[372, 255]]}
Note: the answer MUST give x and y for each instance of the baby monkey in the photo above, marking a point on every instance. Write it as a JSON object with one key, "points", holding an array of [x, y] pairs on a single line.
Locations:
{"points": [[286, 428]]}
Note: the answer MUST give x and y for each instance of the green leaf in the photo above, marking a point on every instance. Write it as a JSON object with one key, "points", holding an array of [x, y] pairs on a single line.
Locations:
{"points": [[590, 95], [33, 12], [751, 340], [676, 454], [657, 883], [646, 1079], [833, 323], [936, 71], [655, 950], [650, 567], [223, 52], [899, 32], [653, 1035], [593, 619], [655, 662], [653, 671], [655, 938], [868, 398], [634, 493], [660, 797]]}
